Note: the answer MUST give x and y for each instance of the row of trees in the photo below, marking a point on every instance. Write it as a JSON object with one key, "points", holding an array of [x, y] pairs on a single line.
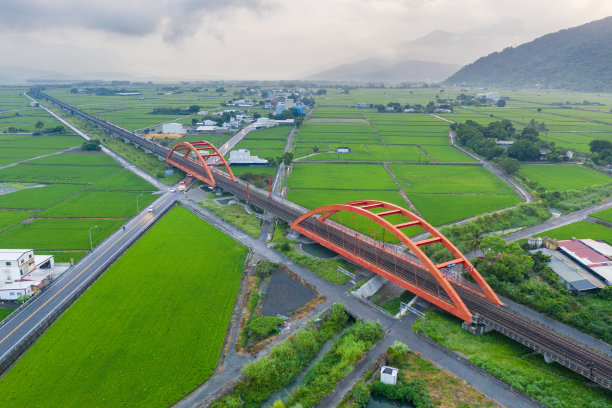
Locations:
{"points": [[418, 108], [526, 147]]}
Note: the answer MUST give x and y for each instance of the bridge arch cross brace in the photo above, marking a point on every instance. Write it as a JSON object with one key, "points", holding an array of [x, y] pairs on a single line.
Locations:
{"points": [[201, 151]]}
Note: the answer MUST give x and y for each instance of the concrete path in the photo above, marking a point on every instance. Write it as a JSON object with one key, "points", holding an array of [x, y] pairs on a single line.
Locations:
{"points": [[38, 157]]}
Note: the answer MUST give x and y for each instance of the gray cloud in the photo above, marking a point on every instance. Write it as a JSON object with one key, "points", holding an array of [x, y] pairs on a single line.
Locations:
{"points": [[175, 19], [268, 39]]}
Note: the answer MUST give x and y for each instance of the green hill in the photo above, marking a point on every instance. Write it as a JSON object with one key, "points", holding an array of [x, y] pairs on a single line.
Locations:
{"points": [[578, 58]]}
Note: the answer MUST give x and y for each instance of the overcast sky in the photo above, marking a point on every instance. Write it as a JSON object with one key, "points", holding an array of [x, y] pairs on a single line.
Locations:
{"points": [[268, 39]]}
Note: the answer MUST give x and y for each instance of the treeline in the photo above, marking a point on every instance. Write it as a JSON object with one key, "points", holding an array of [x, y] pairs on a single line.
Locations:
{"points": [[175, 111], [414, 108], [526, 147]]}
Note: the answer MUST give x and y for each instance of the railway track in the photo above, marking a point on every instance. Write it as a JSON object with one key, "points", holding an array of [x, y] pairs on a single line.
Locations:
{"points": [[555, 346]]}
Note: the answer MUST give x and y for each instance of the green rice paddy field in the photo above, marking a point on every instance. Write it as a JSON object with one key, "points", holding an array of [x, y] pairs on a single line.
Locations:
{"points": [[60, 212], [558, 177], [125, 347], [580, 230], [605, 215]]}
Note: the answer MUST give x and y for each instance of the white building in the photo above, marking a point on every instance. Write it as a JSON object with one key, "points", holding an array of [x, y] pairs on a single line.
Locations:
{"points": [[388, 375], [209, 122], [265, 122], [243, 156], [489, 96], [176, 128], [289, 103], [22, 273], [207, 128]]}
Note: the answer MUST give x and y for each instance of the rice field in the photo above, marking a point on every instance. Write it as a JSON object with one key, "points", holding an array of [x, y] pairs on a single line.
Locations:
{"points": [[560, 177], [138, 348]]}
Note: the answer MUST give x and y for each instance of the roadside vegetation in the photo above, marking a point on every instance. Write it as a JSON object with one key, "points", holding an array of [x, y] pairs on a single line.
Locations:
{"points": [[551, 384], [286, 360], [322, 378], [236, 215], [138, 348], [326, 268], [420, 384]]}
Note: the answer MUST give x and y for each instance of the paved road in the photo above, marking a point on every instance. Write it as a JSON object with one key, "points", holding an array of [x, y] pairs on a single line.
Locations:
{"points": [[19, 325], [558, 222], [398, 330], [229, 145]]}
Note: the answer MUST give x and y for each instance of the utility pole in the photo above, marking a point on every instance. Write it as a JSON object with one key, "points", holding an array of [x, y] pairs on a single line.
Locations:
{"points": [[90, 241]]}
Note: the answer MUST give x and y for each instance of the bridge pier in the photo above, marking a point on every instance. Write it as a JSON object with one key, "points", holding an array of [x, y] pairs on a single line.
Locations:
{"points": [[476, 326]]}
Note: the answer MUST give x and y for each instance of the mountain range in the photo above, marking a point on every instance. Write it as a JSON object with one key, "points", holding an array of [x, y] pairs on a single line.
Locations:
{"points": [[578, 58]]}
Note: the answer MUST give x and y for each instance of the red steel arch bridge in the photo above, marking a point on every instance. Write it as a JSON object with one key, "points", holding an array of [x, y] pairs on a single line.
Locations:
{"points": [[396, 257]]}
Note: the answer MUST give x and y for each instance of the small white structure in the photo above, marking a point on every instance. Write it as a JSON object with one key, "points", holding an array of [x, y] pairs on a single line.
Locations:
{"points": [[243, 156], [175, 128], [361, 105], [388, 375], [343, 150], [489, 96], [209, 122], [289, 103], [408, 110], [280, 108], [268, 105]]}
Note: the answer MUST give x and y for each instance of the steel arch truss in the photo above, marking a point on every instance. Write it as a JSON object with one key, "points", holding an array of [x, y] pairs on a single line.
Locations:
{"points": [[315, 223], [198, 153]]}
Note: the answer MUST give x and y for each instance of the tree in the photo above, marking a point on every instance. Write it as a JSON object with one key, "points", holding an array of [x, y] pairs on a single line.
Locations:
{"points": [[256, 115], [193, 121], [315, 149], [91, 145], [524, 150], [39, 125], [508, 164], [287, 158], [597, 145], [74, 90], [194, 109], [501, 103], [321, 92]]}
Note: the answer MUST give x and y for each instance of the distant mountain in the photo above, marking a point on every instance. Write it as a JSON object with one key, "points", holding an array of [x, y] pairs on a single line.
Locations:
{"points": [[388, 70], [578, 58]]}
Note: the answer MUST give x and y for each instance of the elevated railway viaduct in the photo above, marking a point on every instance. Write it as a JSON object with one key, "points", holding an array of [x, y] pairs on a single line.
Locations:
{"points": [[475, 304]]}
